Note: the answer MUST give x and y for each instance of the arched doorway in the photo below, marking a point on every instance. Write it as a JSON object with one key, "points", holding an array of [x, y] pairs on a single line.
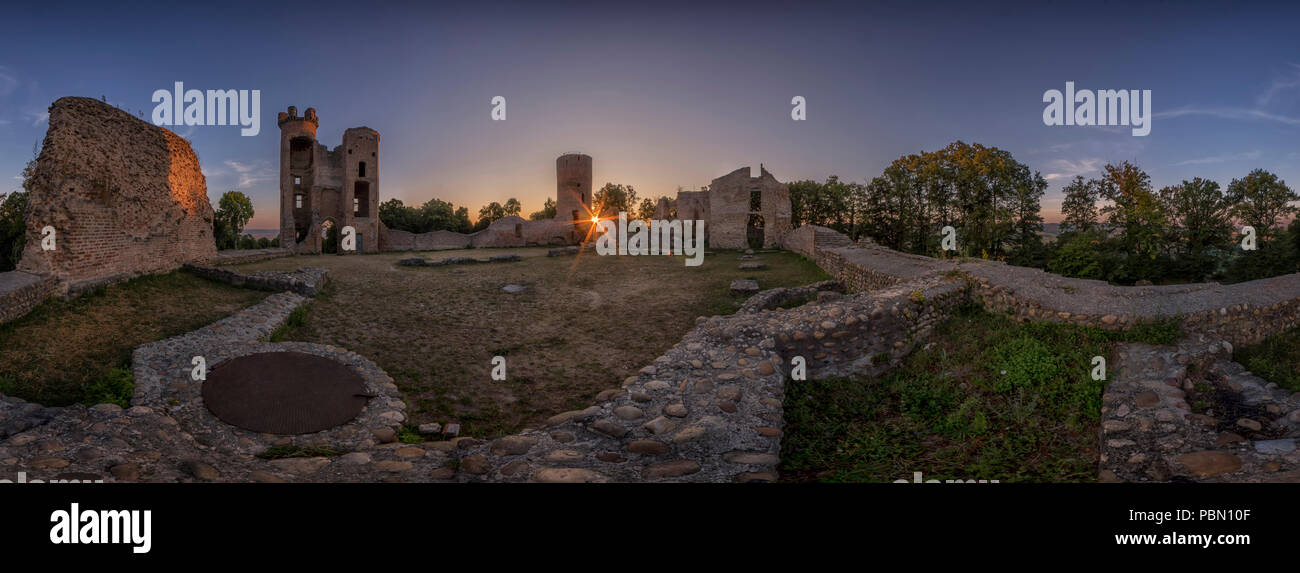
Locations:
{"points": [[754, 232], [329, 237]]}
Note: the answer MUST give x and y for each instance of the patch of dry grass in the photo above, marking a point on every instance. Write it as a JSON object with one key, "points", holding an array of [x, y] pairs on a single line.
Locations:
{"points": [[583, 324], [54, 353]]}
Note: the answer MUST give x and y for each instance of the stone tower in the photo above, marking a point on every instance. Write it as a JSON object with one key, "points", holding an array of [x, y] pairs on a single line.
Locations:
{"points": [[573, 187], [320, 188]]}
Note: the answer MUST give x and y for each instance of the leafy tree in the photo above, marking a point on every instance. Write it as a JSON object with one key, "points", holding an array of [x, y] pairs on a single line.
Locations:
{"points": [[983, 192], [434, 215], [1138, 216], [489, 213], [1270, 259], [547, 212], [512, 207], [1080, 205], [613, 198], [1199, 218], [646, 210], [1080, 256], [13, 229], [233, 212], [1025, 204], [461, 219], [1260, 199], [13, 224]]}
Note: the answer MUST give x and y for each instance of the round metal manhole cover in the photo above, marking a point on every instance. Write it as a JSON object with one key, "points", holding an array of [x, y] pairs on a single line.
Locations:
{"points": [[284, 393]]}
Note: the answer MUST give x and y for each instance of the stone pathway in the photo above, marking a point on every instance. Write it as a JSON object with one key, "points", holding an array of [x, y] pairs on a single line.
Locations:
{"points": [[1188, 413]]}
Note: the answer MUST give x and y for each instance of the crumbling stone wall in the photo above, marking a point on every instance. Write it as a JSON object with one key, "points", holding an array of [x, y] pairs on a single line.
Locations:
{"points": [[514, 231], [395, 240], [509, 231], [125, 198], [306, 281], [20, 292], [1242, 313]]}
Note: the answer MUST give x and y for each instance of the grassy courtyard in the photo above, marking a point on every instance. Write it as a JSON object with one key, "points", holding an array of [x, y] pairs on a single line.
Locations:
{"points": [[79, 350], [989, 398], [582, 324]]}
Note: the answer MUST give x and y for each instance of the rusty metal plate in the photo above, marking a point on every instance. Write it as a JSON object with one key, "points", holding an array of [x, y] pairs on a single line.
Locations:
{"points": [[284, 393]]}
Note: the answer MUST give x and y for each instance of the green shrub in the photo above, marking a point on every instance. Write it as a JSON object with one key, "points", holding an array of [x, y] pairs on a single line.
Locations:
{"points": [[115, 387]]}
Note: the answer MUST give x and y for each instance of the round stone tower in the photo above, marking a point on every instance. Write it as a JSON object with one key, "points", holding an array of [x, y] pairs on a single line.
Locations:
{"points": [[573, 187]]}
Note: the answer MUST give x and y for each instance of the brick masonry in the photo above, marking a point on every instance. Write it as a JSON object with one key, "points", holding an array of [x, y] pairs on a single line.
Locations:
{"points": [[125, 198]]}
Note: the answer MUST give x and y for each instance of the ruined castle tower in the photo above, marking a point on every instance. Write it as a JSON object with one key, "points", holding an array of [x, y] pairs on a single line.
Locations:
{"points": [[573, 193], [320, 187], [573, 187]]}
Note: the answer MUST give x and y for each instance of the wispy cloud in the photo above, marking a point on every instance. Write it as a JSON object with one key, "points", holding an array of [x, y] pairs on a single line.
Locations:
{"points": [[1060, 168], [1240, 113], [8, 81], [251, 174], [1244, 156], [1287, 81], [1283, 84], [1125, 146]]}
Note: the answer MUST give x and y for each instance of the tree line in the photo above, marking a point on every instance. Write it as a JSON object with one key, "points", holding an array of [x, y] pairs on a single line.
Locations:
{"points": [[1116, 227], [991, 201]]}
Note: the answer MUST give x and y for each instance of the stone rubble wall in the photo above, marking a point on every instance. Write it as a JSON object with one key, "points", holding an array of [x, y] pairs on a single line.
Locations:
{"points": [[772, 299], [510, 231], [395, 240], [710, 408], [306, 281], [241, 256], [1150, 432], [1242, 313], [21, 292]]}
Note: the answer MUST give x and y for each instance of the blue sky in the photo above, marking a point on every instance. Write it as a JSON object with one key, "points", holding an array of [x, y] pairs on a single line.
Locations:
{"points": [[666, 94]]}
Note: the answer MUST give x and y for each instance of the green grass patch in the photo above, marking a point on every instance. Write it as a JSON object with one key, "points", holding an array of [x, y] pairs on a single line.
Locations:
{"points": [[1161, 332], [292, 451], [297, 318], [990, 399], [409, 435], [114, 387], [79, 350], [1276, 359]]}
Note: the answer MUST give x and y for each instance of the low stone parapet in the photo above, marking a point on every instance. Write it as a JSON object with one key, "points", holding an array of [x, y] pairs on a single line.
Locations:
{"points": [[21, 292], [307, 281]]}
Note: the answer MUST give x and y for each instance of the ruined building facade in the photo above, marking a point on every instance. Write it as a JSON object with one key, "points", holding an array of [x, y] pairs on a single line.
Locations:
{"points": [[322, 188], [745, 211]]}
